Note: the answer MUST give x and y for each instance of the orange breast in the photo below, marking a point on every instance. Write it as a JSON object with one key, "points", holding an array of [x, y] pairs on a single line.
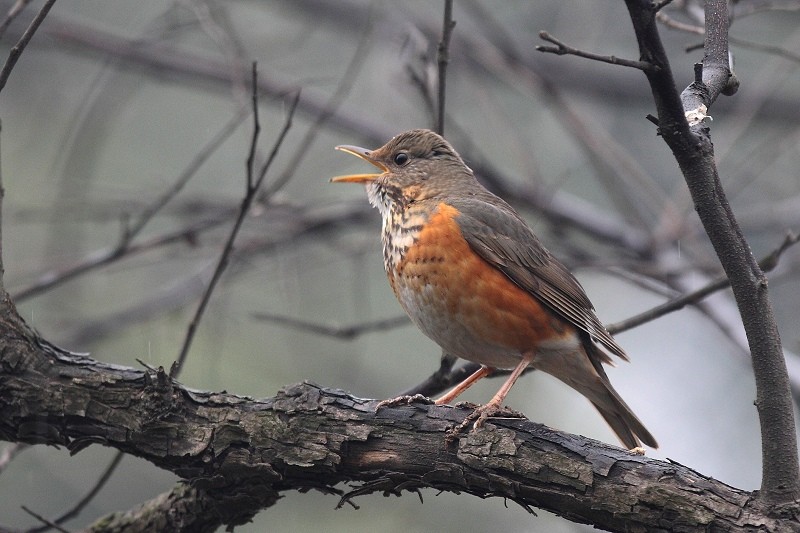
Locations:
{"points": [[463, 303]]}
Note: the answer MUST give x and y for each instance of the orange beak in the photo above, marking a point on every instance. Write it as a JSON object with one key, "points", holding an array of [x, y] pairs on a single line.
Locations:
{"points": [[364, 154]]}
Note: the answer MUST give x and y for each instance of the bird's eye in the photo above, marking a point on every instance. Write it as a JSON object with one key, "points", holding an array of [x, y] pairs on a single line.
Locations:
{"points": [[401, 158]]}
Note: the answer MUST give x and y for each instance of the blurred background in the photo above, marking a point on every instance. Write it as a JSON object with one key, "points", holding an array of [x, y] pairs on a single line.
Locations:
{"points": [[118, 107]]}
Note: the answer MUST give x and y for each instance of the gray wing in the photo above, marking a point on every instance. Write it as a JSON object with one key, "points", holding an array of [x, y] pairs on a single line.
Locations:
{"points": [[505, 241]]}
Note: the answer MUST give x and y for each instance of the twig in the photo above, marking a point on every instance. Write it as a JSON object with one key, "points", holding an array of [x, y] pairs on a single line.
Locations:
{"points": [[125, 248], [697, 30], [253, 185], [13, 12], [190, 171], [83, 502], [48, 523], [103, 257], [767, 263], [563, 49], [16, 51], [338, 332], [443, 58], [346, 82]]}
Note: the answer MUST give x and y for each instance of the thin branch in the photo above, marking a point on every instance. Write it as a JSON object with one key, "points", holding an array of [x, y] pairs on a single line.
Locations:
{"points": [[337, 332], [13, 12], [47, 523], [767, 263], [331, 107], [16, 51], [125, 248], [83, 502], [563, 49], [190, 171], [250, 194], [744, 43], [443, 58], [106, 256]]}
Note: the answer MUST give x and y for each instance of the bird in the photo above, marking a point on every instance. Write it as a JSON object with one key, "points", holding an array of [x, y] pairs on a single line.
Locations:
{"points": [[473, 277]]}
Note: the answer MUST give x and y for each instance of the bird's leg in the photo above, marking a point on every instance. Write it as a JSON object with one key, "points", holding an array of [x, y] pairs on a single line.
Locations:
{"points": [[456, 391], [494, 405], [498, 399]]}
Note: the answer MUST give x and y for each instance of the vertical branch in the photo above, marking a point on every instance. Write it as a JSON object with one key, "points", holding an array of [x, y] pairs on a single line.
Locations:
{"points": [[253, 185], [717, 72], [16, 51], [691, 145], [443, 58]]}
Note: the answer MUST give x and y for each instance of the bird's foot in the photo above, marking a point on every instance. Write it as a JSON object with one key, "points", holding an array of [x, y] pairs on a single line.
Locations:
{"points": [[403, 400], [479, 416]]}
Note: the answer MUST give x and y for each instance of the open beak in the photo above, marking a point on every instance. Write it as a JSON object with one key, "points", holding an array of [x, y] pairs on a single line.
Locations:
{"points": [[364, 154]]}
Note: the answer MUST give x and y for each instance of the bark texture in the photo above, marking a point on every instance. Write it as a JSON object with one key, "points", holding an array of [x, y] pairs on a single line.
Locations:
{"points": [[238, 454]]}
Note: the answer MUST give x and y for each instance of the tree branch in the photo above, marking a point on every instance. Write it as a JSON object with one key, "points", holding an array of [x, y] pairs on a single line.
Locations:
{"points": [[562, 49], [694, 153], [17, 49], [253, 186], [443, 58], [238, 454]]}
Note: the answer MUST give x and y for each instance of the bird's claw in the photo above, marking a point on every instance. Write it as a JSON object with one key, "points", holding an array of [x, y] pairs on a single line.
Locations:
{"points": [[478, 417]]}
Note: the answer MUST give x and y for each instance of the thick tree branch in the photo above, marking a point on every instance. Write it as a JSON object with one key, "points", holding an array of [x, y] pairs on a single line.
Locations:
{"points": [[694, 153], [238, 454]]}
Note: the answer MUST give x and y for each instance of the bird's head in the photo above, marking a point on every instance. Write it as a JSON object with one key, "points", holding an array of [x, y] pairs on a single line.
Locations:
{"points": [[416, 165]]}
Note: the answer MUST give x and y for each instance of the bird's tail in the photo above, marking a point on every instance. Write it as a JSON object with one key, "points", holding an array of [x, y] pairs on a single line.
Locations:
{"points": [[625, 424], [615, 411]]}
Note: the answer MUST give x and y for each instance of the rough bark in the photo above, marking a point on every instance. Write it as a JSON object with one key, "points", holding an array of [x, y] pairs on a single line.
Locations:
{"points": [[237, 454]]}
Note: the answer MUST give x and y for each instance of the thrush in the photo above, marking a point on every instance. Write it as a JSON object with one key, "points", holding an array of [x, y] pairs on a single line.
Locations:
{"points": [[472, 275]]}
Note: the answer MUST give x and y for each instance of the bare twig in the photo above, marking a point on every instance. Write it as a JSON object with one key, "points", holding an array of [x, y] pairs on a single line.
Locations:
{"points": [[346, 82], [16, 51], [338, 332], [443, 58], [253, 186], [13, 12], [125, 247], [190, 171], [767, 263], [103, 257], [563, 49], [83, 502], [47, 523], [744, 43]]}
